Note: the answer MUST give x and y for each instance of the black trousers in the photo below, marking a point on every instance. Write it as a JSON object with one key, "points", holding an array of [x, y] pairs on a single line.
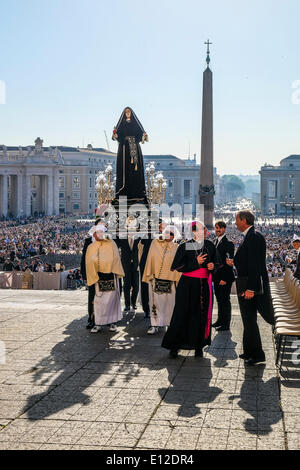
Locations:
{"points": [[131, 286], [224, 305], [144, 291], [91, 296], [251, 337]]}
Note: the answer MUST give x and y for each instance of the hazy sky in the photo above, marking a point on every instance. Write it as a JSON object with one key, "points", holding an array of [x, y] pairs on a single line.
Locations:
{"points": [[71, 66]]}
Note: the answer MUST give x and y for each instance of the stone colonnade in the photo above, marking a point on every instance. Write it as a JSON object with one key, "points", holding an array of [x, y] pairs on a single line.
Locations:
{"points": [[22, 193]]}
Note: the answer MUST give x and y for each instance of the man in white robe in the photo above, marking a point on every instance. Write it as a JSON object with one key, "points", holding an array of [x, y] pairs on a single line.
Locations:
{"points": [[103, 270], [161, 280]]}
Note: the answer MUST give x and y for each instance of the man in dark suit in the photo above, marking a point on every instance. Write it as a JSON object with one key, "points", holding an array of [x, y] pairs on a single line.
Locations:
{"points": [[8, 265], [252, 286], [296, 245], [223, 277], [130, 262]]}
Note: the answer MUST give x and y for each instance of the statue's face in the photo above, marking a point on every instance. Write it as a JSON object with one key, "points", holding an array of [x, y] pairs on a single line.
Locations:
{"points": [[128, 113]]}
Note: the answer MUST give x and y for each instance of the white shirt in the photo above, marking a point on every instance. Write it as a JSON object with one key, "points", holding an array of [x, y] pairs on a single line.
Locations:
{"points": [[247, 230], [220, 238]]}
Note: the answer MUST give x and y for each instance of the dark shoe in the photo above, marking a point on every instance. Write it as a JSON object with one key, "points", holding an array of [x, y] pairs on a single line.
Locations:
{"points": [[244, 356], [134, 307], [214, 325], [90, 325], [254, 362], [222, 328], [173, 353], [126, 309], [198, 353], [146, 314]]}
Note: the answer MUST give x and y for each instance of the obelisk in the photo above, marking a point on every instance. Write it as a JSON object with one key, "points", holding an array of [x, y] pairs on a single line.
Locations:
{"points": [[207, 168]]}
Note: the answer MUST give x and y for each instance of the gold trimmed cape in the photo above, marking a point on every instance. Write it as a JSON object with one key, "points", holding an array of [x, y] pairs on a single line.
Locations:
{"points": [[154, 261], [102, 256]]}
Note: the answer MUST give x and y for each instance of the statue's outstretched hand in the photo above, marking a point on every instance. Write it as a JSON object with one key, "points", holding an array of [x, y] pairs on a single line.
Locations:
{"points": [[145, 138]]}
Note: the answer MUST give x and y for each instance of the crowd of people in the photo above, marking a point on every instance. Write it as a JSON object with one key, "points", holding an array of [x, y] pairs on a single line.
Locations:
{"points": [[21, 241]]}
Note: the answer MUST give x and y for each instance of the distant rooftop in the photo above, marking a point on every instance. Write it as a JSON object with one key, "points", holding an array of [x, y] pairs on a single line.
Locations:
{"points": [[62, 148], [157, 157], [292, 157]]}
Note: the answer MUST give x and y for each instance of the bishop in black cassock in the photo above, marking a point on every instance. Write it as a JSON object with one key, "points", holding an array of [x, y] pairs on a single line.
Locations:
{"points": [[190, 326]]}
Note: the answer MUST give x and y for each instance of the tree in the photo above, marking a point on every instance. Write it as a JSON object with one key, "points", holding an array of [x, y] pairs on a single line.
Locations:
{"points": [[234, 186]]}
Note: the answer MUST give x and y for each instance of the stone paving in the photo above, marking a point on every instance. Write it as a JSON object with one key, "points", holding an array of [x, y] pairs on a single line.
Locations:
{"points": [[63, 388]]}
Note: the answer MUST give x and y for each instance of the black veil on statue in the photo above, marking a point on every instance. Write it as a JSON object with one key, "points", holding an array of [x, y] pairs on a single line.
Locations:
{"points": [[130, 167]]}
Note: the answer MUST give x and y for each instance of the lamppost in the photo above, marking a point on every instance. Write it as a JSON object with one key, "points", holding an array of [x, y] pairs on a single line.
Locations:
{"points": [[293, 206], [284, 204]]}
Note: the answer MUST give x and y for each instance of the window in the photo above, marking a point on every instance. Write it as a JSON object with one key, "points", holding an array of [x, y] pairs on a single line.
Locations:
{"points": [[76, 195], [61, 195], [170, 183], [291, 189], [61, 182], [187, 188], [61, 171], [90, 195], [90, 181], [75, 206], [272, 190], [76, 182], [76, 172]]}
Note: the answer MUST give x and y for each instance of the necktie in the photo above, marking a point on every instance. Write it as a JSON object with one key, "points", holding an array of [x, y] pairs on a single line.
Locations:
{"points": [[131, 241]]}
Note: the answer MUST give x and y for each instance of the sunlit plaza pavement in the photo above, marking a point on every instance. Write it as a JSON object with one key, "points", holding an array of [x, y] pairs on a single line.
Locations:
{"points": [[63, 388]]}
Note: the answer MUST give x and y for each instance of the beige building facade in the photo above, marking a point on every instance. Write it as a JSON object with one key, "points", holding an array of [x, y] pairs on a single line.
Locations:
{"points": [[280, 185]]}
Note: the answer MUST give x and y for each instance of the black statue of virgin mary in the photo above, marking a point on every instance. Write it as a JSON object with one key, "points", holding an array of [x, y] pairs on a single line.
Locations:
{"points": [[129, 132]]}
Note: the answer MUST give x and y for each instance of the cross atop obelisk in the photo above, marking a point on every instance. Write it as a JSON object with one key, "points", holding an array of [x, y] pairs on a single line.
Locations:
{"points": [[207, 167], [208, 52]]}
